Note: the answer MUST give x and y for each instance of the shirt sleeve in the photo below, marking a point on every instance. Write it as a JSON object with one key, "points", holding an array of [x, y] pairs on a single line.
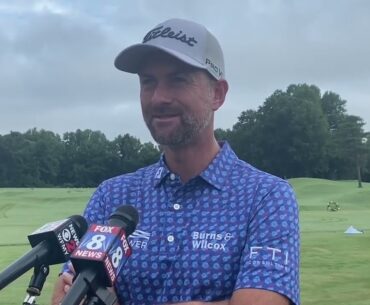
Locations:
{"points": [[270, 259], [96, 209]]}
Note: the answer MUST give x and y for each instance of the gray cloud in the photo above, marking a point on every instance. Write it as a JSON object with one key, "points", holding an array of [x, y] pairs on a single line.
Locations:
{"points": [[57, 57]]}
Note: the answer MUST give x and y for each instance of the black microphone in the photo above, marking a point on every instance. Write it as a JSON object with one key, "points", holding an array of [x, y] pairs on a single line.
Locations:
{"points": [[51, 244], [101, 255]]}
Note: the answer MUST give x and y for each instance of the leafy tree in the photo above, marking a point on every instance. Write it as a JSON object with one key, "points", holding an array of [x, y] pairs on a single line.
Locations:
{"points": [[148, 154], [222, 135], [6, 163], [347, 147], [346, 132], [127, 148], [366, 157], [244, 135], [132, 154], [84, 156], [18, 164], [287, 135], [46, 151], [294, 132], [334, 109]]}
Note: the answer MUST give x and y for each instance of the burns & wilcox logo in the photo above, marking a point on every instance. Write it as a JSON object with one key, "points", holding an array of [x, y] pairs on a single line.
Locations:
{"points": [[211, 241]]}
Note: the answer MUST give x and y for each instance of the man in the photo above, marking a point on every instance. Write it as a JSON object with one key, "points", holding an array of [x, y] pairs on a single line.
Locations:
{"points": [[212, 228]]}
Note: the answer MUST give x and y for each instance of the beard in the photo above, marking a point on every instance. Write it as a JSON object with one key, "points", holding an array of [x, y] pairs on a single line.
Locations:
{"points": [[184, 133]]}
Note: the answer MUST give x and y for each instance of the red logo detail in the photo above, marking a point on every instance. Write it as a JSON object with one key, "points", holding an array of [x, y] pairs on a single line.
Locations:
{"points": [[71, 246]]}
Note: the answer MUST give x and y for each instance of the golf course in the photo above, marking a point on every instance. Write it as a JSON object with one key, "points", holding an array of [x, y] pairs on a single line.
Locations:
{"points": [[335, 266]]}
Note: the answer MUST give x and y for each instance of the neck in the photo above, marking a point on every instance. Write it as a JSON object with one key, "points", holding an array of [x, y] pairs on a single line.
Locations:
{"points": [[189, 161]]}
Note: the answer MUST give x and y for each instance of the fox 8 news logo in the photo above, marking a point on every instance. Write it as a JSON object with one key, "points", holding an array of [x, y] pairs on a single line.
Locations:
{"points": [[107, 242]]}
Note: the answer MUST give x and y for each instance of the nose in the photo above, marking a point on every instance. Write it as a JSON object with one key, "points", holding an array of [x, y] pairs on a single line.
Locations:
{"points": [[161, 94]]}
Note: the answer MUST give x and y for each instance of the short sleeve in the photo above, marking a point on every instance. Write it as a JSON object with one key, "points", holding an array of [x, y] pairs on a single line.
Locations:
{"points": [[270, 259], [95, 211]]}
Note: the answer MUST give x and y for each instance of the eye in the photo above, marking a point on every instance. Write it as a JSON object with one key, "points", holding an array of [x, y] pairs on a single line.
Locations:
{"points": [[179, 79], [146, 81]]}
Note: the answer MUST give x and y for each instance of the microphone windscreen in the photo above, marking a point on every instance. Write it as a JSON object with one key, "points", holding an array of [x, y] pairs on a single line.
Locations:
{"points": [[126, 217]]}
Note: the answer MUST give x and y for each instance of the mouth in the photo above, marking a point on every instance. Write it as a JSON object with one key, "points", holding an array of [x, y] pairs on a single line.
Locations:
{"points": [[165, 114], [165, 119]]}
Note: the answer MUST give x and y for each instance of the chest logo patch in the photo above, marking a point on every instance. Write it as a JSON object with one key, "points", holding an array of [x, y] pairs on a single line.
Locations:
{"points": [[210, 241], [139, 239]]}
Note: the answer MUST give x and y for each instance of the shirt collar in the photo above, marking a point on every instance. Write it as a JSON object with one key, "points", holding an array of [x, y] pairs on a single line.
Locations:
{"points": [[215, 174], [218, 170]]}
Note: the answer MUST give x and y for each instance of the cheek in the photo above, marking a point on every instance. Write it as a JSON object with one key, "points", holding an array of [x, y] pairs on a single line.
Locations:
{"points": [[143, 96], [206, 103], [144, 107], [144, 99]]}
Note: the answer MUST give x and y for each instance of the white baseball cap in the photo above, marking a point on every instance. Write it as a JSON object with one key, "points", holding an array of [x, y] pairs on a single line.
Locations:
{"points": [[188, 41]]}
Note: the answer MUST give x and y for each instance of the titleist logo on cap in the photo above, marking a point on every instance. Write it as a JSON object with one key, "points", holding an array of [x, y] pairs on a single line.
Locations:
{"points": [[169, 33]]}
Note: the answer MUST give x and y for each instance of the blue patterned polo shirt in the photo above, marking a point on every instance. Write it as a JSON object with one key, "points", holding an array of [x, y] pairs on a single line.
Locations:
{"points": [[231, 227]]}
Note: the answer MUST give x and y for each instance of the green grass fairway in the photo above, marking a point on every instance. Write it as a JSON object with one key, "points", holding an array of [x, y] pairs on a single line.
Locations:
{"points": [[335, 267], [21, 212]]}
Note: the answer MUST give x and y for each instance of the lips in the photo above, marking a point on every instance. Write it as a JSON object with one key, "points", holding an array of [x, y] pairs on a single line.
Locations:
{"points": [[165, 113], [165, 117]]}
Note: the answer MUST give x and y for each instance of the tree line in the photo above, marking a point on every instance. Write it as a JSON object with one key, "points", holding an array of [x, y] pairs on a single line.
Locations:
{"points": [[84, 158], [294, 133], [301, 133]]}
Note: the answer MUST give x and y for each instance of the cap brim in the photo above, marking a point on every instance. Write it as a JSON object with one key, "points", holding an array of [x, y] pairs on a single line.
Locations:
{"points": [[131, 58]]}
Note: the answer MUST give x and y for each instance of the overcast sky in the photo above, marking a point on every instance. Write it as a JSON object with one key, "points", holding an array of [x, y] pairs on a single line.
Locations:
{"points": [[56, 57]]}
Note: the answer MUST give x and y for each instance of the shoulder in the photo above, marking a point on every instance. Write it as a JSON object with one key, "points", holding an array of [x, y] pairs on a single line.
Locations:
{"points": [[245, 173], [125, 188], [117, 191], [132, 179], [254, 178]]}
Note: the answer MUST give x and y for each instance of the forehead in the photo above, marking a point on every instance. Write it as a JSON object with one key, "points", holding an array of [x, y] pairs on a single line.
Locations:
{"points": [[158, 60]]}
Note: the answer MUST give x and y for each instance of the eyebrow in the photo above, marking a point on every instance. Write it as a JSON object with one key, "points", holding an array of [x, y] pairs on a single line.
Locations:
{"points": [[181, 70]]}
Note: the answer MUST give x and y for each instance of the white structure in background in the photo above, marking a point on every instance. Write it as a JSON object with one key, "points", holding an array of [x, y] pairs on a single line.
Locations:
{"points": [[353, 230]]}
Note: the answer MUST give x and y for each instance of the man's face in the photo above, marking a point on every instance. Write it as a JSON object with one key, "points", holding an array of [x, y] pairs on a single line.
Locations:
{"points": [[176, 100]]}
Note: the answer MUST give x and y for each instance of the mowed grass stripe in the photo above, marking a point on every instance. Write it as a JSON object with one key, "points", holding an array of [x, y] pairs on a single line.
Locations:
{"points": [[335, 267], [22, 211]]}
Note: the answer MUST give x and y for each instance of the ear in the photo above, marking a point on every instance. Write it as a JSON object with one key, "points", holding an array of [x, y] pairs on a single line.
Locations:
{"points": [[220, 89]]}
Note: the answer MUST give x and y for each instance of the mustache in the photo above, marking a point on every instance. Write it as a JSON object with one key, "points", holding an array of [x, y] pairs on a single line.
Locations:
{"points": [[165, 110]]}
